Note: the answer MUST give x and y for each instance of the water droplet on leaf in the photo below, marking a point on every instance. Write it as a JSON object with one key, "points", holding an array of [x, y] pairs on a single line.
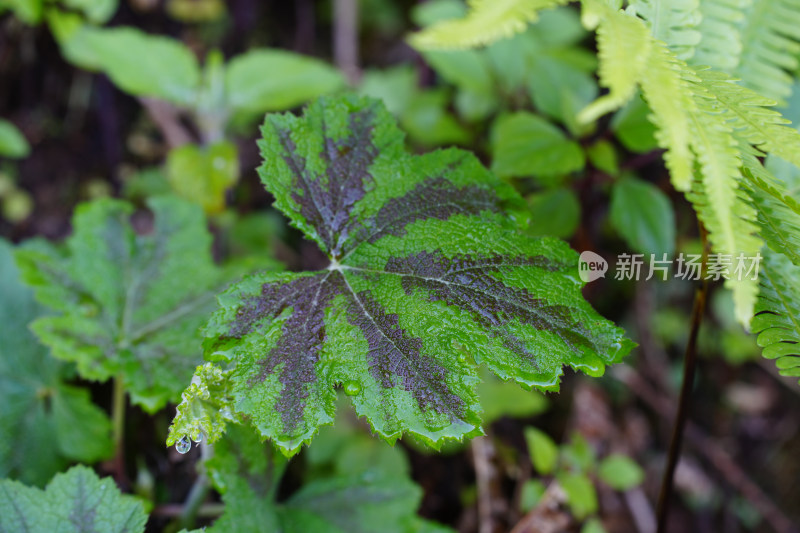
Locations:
{"points": [[183, 445], [199, 438], [351, 388]]}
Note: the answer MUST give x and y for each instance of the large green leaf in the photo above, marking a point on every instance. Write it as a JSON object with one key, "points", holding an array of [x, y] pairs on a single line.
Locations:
{"points": [[74, 502], [247, 474], [44, 421], [423, 257], [273, 80], [138, 63], [128, 305]]}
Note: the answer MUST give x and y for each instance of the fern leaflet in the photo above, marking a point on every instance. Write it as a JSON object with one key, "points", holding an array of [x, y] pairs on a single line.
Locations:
{"points": [[673, 22], [486, 22], [771, 44], [777, 319]]}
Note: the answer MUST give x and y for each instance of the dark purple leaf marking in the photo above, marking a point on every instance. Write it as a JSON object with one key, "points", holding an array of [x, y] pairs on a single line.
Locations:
{"points": [[466, 281], [434, 198], [327, 203], [394, 354], [302, 336]]}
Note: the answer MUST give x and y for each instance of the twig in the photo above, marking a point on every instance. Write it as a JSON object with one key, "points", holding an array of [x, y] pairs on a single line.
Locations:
{"points": [[547, 516], [166, 118], [174, 510], [706, 446], [345, 38], [481, 456], [642, 513], [689, 365]]}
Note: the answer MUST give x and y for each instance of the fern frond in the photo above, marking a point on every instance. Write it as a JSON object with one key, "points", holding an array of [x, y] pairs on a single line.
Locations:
{"points": [[623, 47], [673, 22], [720, 204], [777, 318], [770, 47], [486, 22], [666, 87], [778, 212], [720, 44], [752, 118]]}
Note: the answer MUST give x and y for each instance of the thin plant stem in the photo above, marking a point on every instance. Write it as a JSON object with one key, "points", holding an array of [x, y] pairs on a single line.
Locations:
{"points": [[199, 491], [689, 366], [118, 425]]}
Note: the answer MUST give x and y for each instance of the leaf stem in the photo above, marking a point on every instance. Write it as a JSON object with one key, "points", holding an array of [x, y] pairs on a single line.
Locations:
{"points": [[118, 421], [689, 366], [199, 491]]}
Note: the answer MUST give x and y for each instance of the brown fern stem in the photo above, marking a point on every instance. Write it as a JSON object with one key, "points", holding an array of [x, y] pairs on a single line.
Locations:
{"points": [[689, 366]]}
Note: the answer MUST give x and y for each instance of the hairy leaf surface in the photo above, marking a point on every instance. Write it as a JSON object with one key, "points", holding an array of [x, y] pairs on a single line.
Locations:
{"points": [[44, 422], [124, 307], [427, 270], [74, 502]]}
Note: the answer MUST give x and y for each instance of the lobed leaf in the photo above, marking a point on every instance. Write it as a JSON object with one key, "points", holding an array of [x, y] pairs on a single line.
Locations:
{"points": [[124, 306], [44, 421], [247, 474], [426, 269], [74, 502]]}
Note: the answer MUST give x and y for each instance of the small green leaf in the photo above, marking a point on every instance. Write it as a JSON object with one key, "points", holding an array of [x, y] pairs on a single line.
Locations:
{"points": [[620, 472], [12, 143], [604, 157], [578, 454], [581, 495], [532, 492], [633, 128], [202, 175], [593, 525], [524, 144], [74, 502], [542, 449], [44, 422], [171, 71], [643, 215], [274, 80], [554, 213], [128, 305]]}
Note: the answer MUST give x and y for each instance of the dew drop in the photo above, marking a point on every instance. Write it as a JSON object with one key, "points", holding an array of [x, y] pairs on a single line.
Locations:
{"points": [[199, 438], [351, 388], [183, 445]]}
